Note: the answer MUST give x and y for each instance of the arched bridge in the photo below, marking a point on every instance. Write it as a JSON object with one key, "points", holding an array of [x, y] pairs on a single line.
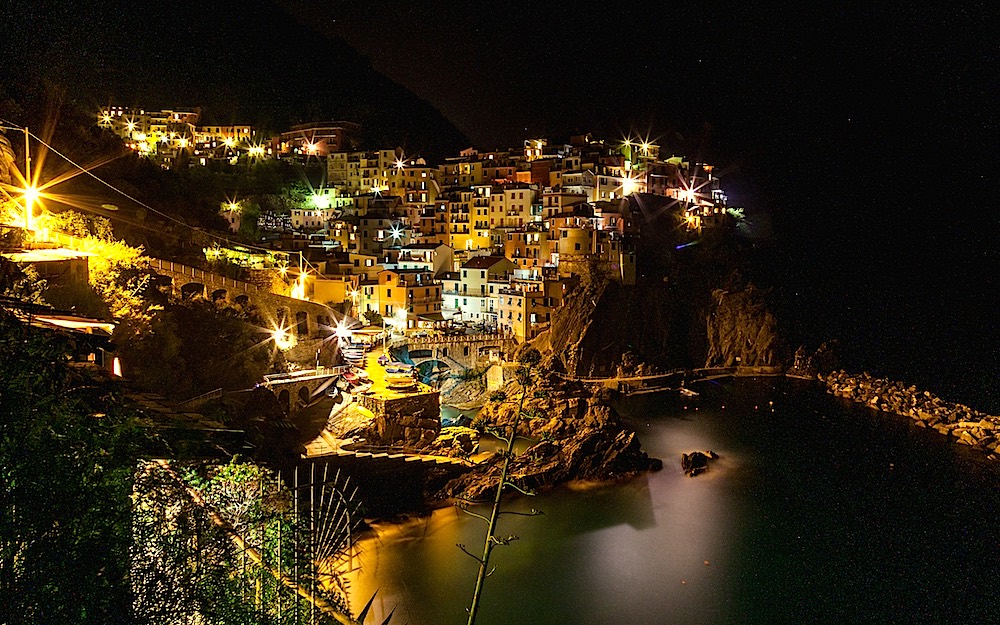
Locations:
{"points": [[460, 352], [307, 319], [300, 389]]}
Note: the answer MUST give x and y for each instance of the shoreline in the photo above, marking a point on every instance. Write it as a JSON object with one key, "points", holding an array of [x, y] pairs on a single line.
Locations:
{"points": [[956, 421]]}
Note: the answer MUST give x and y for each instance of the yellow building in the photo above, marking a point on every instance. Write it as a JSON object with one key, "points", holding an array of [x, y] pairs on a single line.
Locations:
{"points": [[413, 290]]}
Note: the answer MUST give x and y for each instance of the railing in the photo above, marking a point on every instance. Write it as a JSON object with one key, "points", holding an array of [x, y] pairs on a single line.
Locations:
{"points": [[304, 374], [209, 277], [464, 338], [404, 450], [200, 398], [422, 300]]}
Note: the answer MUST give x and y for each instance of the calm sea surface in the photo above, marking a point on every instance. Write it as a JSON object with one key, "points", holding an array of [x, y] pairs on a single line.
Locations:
{"points": [[816, 512]]}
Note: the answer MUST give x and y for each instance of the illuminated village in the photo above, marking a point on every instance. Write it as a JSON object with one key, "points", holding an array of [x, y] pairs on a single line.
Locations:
{"points": [[396, 286], [405, 321], [483, 238]]}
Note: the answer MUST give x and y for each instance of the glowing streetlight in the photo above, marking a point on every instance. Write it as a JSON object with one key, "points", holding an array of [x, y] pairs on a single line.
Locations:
{"points": [[229, 142], [321, 201], [628, 186], [282, 338], [343, 331], [312, 148], [399, 164], [30, 194], [399, 319], [396, 232]]}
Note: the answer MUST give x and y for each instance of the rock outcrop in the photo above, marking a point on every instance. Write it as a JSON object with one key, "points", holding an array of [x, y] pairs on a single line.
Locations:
{"points": [[454, 442], [963, 424], [577, 435], [696, 462]]}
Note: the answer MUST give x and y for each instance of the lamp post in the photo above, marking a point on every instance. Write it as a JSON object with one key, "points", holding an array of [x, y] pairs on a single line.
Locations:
{"points": [[28, 197], [30, 193]]}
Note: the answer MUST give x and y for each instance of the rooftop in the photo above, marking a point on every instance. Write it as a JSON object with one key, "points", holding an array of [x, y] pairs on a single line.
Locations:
{"points": [[483, 262]]}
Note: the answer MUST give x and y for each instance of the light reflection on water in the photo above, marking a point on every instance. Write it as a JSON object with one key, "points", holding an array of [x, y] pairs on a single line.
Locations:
{"points": [[597, 555], [786, 523]]}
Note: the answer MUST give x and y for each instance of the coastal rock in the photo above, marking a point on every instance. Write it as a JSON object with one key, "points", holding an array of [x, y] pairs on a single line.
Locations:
{"points": [[591, 454], [966, 425], [454, 442], [578, 437], [696, 462]]}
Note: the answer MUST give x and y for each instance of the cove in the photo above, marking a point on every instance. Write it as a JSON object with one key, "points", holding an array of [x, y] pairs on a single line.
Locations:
{"points": [[818, 511]]}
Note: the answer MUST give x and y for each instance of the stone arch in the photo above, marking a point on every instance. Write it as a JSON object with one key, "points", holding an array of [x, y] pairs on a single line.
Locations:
{"points": [[220, 295], [162, 283], [243, 300], [281, 315], [304, 396], [302, 323], [192, 290], [283, 400]]}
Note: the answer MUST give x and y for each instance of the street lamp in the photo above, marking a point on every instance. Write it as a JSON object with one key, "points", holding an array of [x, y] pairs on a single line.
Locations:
{"points": [[30, 196], [30, 191]]}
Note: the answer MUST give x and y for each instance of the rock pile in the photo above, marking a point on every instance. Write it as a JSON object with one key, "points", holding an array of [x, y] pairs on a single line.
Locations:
{"points": [[965, 425], [578, 437], [696, 462], [454, 442]]}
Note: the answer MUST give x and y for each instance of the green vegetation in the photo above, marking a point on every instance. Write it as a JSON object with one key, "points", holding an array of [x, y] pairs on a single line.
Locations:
{"points": [[67, 453], [194, 346], [251, 550], [85, 537], [372, 318]]}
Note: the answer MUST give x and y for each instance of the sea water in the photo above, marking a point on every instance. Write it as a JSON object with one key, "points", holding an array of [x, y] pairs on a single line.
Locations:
{"points": [[817, 511]]}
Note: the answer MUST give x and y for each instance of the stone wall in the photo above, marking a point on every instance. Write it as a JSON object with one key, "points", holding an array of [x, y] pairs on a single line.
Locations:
{"points": [[958, 421], [410, 421]]}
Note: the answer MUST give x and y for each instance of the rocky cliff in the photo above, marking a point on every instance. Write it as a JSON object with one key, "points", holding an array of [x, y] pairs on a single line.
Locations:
{"points": [[575, 435], [605, 328]]}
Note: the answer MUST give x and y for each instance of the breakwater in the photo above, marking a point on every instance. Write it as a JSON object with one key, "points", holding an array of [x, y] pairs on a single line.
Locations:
{"points": [[963, 424]]}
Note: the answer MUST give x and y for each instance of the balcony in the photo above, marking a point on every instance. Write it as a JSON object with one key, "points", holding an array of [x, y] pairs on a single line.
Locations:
{"points": [[422, 300]]}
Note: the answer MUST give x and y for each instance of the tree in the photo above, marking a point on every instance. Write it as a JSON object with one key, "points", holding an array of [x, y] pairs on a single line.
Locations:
{"points": [[193, 346], [67, 452], [527, 362], [372, 318]]}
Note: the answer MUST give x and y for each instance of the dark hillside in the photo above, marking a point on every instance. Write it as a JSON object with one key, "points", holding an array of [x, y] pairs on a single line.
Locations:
{"points": [[189, 53]]}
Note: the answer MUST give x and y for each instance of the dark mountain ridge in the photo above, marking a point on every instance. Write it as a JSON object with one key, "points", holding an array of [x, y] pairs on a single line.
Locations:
{"points": [[243, 61]]}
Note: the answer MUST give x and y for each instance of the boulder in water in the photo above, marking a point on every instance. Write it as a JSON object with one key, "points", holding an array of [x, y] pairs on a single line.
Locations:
{"points": [[696, 462]]}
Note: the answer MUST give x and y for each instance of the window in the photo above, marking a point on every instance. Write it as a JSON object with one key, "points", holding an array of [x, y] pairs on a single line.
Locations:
{"points": [[482, 274], [388, 293], [576, 246]]}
